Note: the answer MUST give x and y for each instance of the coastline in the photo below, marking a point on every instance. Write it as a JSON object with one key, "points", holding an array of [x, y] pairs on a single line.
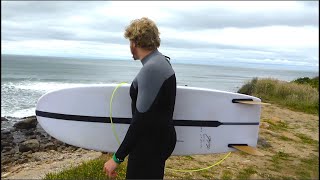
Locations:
{"points": [[27, 151], [289, 140]]}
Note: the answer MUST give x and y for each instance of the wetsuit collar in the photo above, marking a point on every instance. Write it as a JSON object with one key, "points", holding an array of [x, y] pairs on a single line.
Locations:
{"points": [[149, 56]]}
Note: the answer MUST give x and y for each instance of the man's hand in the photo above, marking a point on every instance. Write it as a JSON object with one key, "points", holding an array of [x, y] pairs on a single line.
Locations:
{"points": [[110, 167]]}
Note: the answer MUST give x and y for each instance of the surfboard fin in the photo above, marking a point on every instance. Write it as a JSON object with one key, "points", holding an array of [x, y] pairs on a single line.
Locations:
{"points": [[249, 101], [247, 149]]}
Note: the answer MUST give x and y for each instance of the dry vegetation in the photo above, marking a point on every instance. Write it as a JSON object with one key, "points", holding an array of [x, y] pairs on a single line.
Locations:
{"points": [[289, 138]]}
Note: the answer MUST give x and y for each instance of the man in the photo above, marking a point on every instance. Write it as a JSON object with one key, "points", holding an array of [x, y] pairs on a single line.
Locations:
{"points": [[151, 137]]}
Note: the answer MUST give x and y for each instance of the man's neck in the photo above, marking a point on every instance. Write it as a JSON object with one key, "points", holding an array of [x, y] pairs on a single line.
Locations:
{"points": [[143, 53]]}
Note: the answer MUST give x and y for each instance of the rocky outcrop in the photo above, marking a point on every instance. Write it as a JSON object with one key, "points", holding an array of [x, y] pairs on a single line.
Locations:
{"points": [[26, 123], [28, 137], [29, 145], [263, 143], [4, 119]]}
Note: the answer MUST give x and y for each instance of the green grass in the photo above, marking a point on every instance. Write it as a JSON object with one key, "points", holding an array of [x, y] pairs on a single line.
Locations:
{"points": [[279, 126], [92, 169], [226, 174], [246, 173], [296, 96], [188, 157], [314, 82], [277, 159], [284, 138], [207, 175], [307, 168], [306, 139]]}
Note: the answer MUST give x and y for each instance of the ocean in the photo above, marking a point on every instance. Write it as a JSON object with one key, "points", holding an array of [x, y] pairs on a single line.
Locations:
{"points": [[24, 79]]}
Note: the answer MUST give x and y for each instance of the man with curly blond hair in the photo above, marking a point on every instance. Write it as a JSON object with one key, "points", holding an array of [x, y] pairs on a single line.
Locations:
{"points": [[151, 137]]}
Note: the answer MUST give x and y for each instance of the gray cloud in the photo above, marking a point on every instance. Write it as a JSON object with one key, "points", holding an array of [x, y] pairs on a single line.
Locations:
{"points": [[35, 10], [47, 16], [193, 45], [215, 18], [313, 4], [27, 20]]}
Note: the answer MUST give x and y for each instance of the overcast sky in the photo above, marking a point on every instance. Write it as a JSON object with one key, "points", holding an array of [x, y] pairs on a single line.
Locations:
{"points": [[263, 32]]}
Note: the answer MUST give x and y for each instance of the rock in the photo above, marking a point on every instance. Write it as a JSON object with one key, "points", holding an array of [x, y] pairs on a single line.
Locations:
{"points": [[264, 125], [4, 119], [5, 153], [22, 160], [32, 137], [60, 149], [16, 157], [263, 143], [28, 145], [7, 148], [29, 156], [37, 158], [5, 161], [7, 136], [42, 136], [6, 131], [28, 123], [58, 143], [4, 143], [29, 133], [50, 146], [41, 148], [5, 175], [69, 148]]}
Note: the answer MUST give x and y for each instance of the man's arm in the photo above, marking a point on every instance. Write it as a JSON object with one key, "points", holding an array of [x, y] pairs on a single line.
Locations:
{"points": [[147, 92]]}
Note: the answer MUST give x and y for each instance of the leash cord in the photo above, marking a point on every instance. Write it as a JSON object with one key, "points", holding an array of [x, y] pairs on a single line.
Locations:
{"points": [[177, 170]]}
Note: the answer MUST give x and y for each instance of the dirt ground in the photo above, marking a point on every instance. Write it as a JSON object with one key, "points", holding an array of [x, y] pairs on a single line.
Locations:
{"points": [[290, 147], [51, 161], [289, 141]]}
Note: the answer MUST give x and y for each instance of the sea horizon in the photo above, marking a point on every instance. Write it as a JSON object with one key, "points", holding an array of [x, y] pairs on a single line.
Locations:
{"points": [[211, 62], [25, 78]]}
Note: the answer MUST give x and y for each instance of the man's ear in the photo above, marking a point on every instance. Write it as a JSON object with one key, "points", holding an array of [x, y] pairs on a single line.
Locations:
{"points": [[133, 44]]}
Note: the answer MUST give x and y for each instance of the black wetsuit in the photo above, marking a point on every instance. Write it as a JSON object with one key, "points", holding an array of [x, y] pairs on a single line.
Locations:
{"points": [[151, 137]]}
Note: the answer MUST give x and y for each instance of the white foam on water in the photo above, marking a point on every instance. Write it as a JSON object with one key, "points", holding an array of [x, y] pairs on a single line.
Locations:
{"points": [[46, 86], [24, 113], [24, 94]]}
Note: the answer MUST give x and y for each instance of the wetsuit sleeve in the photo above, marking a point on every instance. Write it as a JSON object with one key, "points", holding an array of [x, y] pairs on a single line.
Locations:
{"points": [[141, 116]]}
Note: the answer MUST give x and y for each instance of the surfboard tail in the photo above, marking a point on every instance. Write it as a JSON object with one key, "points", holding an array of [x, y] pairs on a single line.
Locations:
{"points": [[247, 149]]}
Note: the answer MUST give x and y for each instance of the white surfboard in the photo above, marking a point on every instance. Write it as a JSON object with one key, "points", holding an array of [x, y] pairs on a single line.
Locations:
{"points": [[206, 121]]}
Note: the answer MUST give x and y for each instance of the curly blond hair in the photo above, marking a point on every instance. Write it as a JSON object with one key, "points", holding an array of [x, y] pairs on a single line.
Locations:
{"points": [[144, 33]]}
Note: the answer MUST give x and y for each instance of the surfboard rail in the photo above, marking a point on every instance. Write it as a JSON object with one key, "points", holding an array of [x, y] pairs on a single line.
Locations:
{"points": [[206, 120]]}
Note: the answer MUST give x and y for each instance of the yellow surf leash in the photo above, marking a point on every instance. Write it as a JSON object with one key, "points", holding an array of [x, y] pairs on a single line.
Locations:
{"points": [[110, 112], [177, 170]]}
